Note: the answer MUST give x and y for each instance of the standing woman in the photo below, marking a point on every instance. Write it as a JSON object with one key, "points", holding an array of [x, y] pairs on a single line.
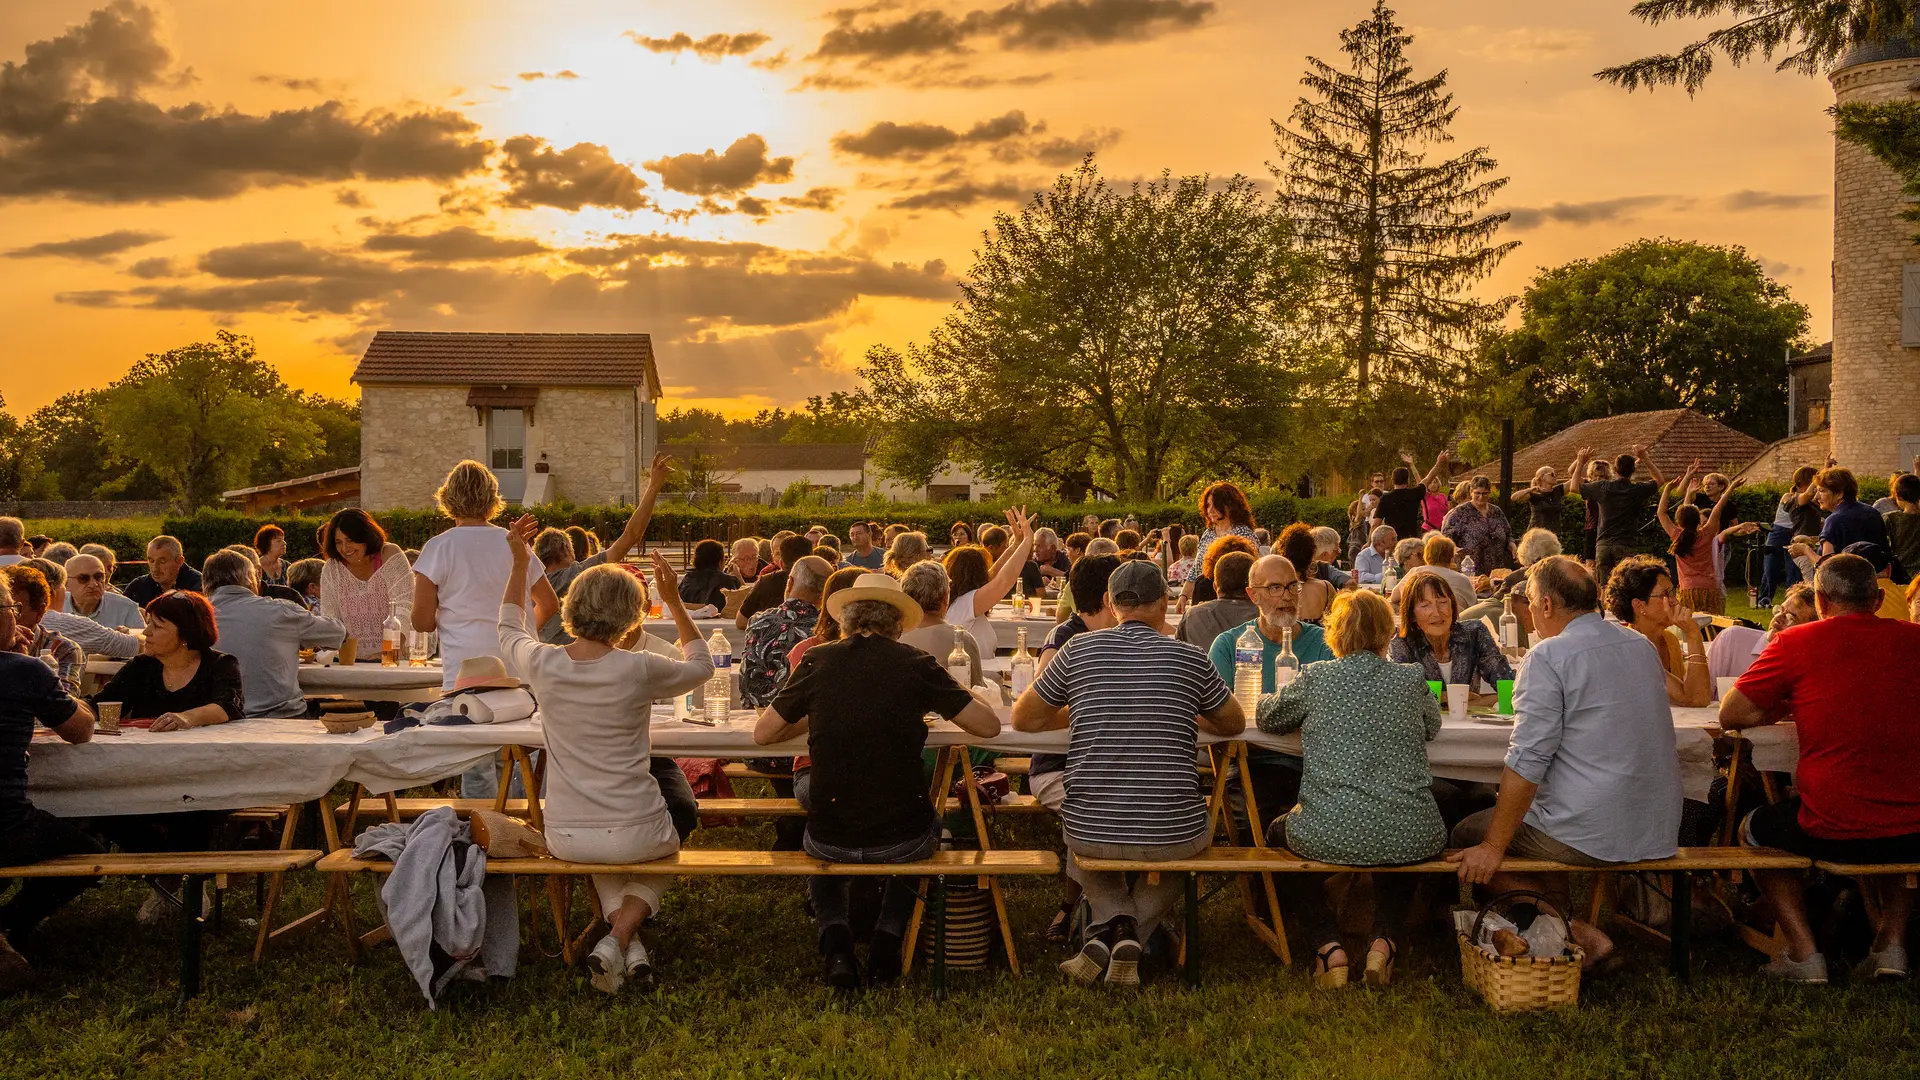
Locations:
{"points": [[363, 577], [1797, 508], [602, 802], [1479, 529], [1692, 535], [457, 586], [271, 542], [1545, 497], [1642, 595], [1226, 512]]}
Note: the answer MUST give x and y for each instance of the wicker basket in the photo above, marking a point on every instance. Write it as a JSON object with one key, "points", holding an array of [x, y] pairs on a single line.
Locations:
{"points": [[1519, 983]]}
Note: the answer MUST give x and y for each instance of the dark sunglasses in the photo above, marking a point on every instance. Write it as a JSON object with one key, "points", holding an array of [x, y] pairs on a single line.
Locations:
{"points": [[88, 577]]}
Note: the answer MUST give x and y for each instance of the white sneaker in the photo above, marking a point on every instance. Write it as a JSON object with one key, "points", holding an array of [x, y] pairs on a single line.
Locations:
{"points": [[1812, 971], [606, 968], [1887, 965], [639, 964]]}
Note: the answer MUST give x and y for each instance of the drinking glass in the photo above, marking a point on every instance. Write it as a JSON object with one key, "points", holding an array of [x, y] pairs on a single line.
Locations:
{"points": [[419, 647]]}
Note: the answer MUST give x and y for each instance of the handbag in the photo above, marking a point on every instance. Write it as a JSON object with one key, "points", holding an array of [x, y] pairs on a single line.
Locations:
{"points": [[992, 785]]}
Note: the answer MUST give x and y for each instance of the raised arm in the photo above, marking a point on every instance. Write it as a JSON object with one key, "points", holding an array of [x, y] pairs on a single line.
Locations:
{"points": [[669, 586], [1660, 511], [1653, 470], [1720, 505], [642, 515], [1433, 475], [1577, 472], [997, 588]]}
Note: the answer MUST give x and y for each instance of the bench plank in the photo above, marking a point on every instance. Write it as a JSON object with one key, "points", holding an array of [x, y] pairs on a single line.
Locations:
{"points": [[166, 863], [1867, 869], [1270, 861], [713, 863]]}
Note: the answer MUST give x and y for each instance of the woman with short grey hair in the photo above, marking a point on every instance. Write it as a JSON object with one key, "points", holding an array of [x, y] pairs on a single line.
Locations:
{"points": [[860, 701], [602, 803]]}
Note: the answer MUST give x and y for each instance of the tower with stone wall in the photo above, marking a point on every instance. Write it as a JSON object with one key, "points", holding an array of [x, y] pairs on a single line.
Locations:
{"points": [[1875, 405]]}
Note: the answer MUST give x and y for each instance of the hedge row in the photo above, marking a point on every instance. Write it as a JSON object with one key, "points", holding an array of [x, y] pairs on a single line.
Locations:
{"points": [[210, 530]]}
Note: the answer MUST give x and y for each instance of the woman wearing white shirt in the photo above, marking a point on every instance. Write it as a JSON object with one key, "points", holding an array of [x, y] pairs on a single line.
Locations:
{"points": [[977, 587], [457, 583], [602, 802]]}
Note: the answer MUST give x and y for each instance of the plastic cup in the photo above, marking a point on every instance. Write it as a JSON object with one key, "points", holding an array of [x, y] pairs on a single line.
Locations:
{"points": [[1439, 689], [1505, 706], [1725, 683], [349, 649], [108, 715], [1457, 700]]}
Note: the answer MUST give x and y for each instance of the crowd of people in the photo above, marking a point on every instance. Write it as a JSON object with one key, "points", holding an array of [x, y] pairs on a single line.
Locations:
{"points": [[849, 644]]}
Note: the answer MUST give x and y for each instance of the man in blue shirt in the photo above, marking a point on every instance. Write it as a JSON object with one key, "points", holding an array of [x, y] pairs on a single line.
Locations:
{"points": [[864, 555], [1371, 561], [1591, 777], [1274, 587], [1849, 521]]}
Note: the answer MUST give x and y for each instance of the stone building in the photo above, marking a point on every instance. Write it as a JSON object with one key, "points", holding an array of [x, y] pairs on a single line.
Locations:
{"points": [[554, 415], [1874, 411]]}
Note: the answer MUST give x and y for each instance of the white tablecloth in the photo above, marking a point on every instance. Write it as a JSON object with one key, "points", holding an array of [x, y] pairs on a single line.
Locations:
{"points": [[255, 762], [369, 682]]}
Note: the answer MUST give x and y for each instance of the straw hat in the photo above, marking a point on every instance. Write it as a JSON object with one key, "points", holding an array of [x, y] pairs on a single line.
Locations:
{"points": [[484, 671], [882, 587]]}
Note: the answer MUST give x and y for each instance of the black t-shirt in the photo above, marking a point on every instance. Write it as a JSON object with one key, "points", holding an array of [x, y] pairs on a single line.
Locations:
{"points": [[1705, 504], [29, 694], [769, 591], [865, 698], [143, 589], [1400, 509], [703, 587], [1545, 509], [141, 689], [1808, 520], [1622, 508]]}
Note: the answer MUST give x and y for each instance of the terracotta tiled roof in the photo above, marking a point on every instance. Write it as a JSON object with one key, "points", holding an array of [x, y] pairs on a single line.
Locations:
{"points": [[397, 356], [761, 456], [1821, 355], [1673, 437]]}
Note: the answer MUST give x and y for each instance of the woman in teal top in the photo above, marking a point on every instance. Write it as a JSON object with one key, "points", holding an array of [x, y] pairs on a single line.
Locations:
{"points": [[1365, 797]]}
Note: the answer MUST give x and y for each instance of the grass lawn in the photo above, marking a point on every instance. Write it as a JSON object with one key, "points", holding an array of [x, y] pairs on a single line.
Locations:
{"points": [[739, 995]]}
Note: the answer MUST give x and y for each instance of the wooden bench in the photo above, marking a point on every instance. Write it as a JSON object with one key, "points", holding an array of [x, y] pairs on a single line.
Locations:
{"points": [[735, 770], [710, 863], [193, 867], [1239, 860], [408, 809], [1910, 871]]}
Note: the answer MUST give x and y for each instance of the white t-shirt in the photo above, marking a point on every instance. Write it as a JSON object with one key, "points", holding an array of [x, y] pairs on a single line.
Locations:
{"points": [[9, 560], [469, 564], [960, 613]]}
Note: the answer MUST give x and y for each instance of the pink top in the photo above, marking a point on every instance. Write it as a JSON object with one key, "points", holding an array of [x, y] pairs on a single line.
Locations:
{"points": [[1696, 567], [363, 605]]}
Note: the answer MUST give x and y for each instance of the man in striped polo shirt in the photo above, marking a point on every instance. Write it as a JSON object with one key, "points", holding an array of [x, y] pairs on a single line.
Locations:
{"points": [[1133, 701]]}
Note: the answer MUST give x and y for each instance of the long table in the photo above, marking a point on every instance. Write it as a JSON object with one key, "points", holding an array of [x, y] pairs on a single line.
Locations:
{"points": [[366, 681], [255, 762]]}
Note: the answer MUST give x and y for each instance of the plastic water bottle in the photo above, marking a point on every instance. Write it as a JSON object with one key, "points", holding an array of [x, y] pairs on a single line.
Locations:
{"points": [[1248, 650], [1286, 666], [720, 687], [1466, 566]]}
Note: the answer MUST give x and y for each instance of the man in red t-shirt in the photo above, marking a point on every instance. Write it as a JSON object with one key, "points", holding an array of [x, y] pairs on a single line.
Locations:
{"points": [[1850, 682]]}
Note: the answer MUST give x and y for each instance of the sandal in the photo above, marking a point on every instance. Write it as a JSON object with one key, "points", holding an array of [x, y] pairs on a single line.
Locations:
{"points": [[1325, 976], [1380, 964], [1058, 929]]}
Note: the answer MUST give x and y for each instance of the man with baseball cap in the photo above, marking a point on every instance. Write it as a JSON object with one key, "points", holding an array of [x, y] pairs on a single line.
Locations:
{"points": [[1134, 702]]}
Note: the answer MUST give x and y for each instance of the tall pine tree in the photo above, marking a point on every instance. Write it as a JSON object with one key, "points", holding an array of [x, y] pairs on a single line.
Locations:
{"points": [[1402, 238]]}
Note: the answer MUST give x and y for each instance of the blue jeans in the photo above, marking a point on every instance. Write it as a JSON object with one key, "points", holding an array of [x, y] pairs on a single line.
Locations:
{"points": [[830, 894], [1777, 571]]}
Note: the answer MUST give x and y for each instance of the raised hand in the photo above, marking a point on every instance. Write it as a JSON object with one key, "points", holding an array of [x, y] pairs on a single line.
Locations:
{"points": [[662, 469], [663, 577], [520, 537]]}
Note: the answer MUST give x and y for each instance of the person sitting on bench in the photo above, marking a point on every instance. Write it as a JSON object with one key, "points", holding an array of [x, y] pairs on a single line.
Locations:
{"points": [[29, 695], [603, 804], [861, 701], [1591, 777], [1848, 681], [1133, 701], [1365, 793]]}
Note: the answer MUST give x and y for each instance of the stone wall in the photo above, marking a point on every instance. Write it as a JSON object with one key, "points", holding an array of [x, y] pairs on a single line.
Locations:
{"points": [[1873, 404], [409, 437], [588, 435]]}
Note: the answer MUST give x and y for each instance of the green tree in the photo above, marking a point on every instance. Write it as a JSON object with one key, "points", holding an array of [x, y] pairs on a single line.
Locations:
{"points": [[15, 454], [840, 417], [1403, 238], [200, 416], [1130, 343], [1808, 36], [72, 459], [1656, 324], [338, 448]]}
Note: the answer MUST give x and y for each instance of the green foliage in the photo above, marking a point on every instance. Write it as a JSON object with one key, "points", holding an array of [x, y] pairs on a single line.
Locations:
{"points": [[1402, 238], [840, 417], [1890, 130], [1656, 324], [1128, 343], [69, 459], [1807, 35]]}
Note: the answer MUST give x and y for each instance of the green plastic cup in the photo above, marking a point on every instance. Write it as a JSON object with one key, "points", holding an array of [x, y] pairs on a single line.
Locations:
{"points": [[1505, 706], [1439, 690]]}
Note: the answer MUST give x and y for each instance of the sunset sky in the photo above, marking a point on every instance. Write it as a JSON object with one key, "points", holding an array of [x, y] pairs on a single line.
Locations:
{"points": [[768, 188]]}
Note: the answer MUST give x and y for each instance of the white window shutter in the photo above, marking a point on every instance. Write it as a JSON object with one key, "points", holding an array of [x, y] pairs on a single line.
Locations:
{"points": [[1910, 305]]}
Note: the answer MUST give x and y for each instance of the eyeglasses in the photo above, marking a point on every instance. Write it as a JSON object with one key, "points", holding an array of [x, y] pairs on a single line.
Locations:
{"points": [[1295, 588], [84, 578], [1667, 595], [10, 607]]}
